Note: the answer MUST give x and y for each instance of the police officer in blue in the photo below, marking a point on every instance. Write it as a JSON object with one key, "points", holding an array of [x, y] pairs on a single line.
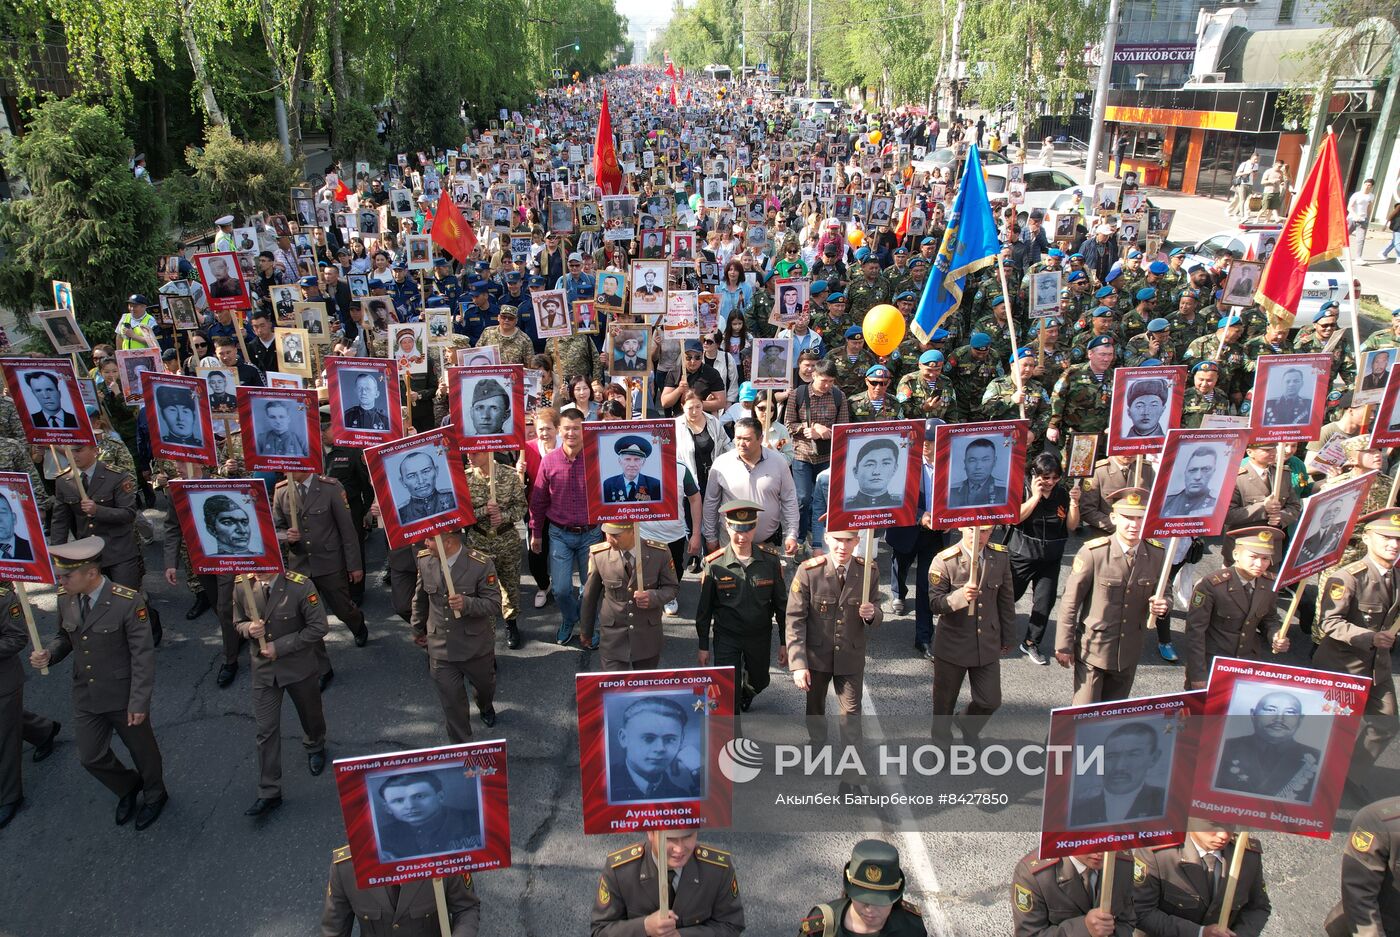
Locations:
{"points": [[476, 313], [445, 281], [515, 295], [405, 292]]}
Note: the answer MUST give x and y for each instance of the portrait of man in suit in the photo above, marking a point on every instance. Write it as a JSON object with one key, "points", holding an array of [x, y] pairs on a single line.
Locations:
{"points": [[1270, 761], [1326, 531], [177, 412], [649, 286], [647, 754], [228, 526], [877, 463], [1377, 369], [980, 487], [418, 496], [629, 352], [52, 399], [276, 434], [415, 815], [1131, 756], [12, 545], [367, 412], [631, 484]]}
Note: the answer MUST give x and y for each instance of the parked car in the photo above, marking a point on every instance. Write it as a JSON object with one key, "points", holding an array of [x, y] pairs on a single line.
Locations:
{"points": [[1043, 186], [944, 159]]}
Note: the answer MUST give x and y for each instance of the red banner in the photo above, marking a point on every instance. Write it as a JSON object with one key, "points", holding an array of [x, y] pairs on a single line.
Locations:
{"points": [[49, 401], [875, 474], [421, 486], [979, 473], [281, 429], [630, 469], [24, 554], [487, 405], [227, 525], [178, 417]]}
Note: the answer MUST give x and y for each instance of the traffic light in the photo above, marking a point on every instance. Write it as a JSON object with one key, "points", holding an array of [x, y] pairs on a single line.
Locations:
{"points": [[575, 43]]}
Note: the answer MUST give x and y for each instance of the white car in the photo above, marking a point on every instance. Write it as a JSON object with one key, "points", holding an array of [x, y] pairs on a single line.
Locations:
{"points": [[1325, 280], [1043, 186]]}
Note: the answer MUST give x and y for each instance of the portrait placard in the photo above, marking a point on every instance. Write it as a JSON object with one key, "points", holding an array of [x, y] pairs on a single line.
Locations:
{"points": [[1122, 774], [222, 384], [1275, 745], [364, 400], [480, 357], [227, 525], [424, 814], [420, 485], [1083, 453], [791, 295], [488, 407], [131, 362], [874, 474], [619, 217], [612, 291], [278, 379], [63, 332], [682, 319], [551, 313], [629, 468], [293, 351], [1194, 482], [1290, 396], [62, 294], [629, 349], [1323, 529], [1045, 292], [408, 342], [178, 417], [980, 469], [1376, 367], [771, 364], [1385, 431], [181, 309], [222, 278], [625, 786], [281, 430], [1241, 282], [311, 318], [585, 317], [648, 279], [1146, 402], [284, 299], [24, 554]]}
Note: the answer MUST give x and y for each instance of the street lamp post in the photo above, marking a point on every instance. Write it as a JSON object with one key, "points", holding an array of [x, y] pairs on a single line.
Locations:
{"points": [[568, 45]]}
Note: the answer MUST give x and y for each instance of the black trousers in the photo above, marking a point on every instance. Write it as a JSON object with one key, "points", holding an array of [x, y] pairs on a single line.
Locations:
{"points": [[539, 562], [1044, 575], [748, 655]]}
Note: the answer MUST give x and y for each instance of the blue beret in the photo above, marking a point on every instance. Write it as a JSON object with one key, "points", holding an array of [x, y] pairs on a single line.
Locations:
{"points": [[939, 335], [1395, 313], [863, 254], [905, 294], [980, 340], [920, 261], [1022, 352], [1207, 365], [1227, 321], [1177, 252], [1113, 274], [1100, 340], [1049, 322], [818, 286], [1103, 291], [877, 370], [932, 356], [1134, 254], [1150, 362], [901, 250], [1076, 275], [1102, 312], [1076, 256], [837, 297], [1327, 309], [1158, 325], [1145, 294], [999, 301], [1055, 252], [1157, 268], [855, 332], [1330, 304], [928, 241]]}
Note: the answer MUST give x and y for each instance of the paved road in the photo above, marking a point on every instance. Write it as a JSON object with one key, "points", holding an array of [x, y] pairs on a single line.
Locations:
{"points": [[205, 869]]}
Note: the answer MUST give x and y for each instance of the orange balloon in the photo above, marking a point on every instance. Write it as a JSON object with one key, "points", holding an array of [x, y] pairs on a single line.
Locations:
{"points": [[883, 327], [855, 238], [876, 136]]}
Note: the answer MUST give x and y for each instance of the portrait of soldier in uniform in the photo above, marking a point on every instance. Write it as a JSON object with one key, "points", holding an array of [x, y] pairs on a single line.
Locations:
{"points": [[220, 399], [1192, 487], [417, 494], [488, 407], [1146, 402], [1270, 761], [1326, 530], [1291, 407], [276, 434], [981, 486], [177, 415], [631, 484], [648, 755], [228, 528], [415, 814], [367, 412], [878, 462]]}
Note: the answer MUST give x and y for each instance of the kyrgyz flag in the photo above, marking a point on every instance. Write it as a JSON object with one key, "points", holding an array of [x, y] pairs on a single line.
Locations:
{"points": [[451, 231], [1316, 230], [342, 191], [607, 174], [901, 230]]}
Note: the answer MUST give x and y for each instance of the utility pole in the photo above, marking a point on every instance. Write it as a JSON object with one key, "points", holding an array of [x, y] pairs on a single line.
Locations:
{"points": [[1110, 39], [743, 45], [809, 48]]}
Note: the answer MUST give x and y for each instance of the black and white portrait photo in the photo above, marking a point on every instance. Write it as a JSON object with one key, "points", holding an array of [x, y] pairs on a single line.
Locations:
{"points": [[227, 523], [421, 486], [63, 331], [630, 467], [477, 357], [1045, 292], [980, 467], [881, 208], [655, 747], [1197, 477], [364, 399], [47, 398], [401, 203], [714, 194], [1288, 398], [292, 351], [1137, 759], [223, 385], [1241, 283], [772, 363], [561, 217], [486, 403], [1325, 525], [279, 428], [1273, 741], [1145, 403], [425, 812], [619, 217], [177, 416], [875, 471]]}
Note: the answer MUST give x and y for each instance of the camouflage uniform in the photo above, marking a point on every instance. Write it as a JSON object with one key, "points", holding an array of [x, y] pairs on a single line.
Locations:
{"points": [[1233, 363], [517, 349], [10, 425], [575, 355], [1256, 346], [998, 404], [503, 543], [831, 327], [759, 311], [1139, 349], [1000, 334], [918, 401], [1183, 333], [970, 377], [1169, 285], [863, 411], [833, 274], [1343, 360], [115, 455], [1195, 407], [1056, 360], [1079, 351], [1133, 322], [862, 295], [1381, 338], [850, 375], [898, 280], [1255, 320], [1079, 402]]}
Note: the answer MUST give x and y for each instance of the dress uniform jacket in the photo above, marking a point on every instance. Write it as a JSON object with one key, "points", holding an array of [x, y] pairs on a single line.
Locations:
{"points": [[1174, 896], [1357, 601], [961, 638], [347, 466], [329, 540], [474, 578], [830, 920], [1103, 609], [1370, 902], [296, 625], [115, 665], [414, 914], [115, 520], [825, 632], [706, 899], [1229, 618], [741, 601], [1108, 477], [1048, 898], [13, 640], [1247, 503], [626, 633]]}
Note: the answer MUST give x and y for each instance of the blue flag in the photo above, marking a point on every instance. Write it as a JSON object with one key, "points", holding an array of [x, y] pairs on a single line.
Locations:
{"points": [[969, 244]]}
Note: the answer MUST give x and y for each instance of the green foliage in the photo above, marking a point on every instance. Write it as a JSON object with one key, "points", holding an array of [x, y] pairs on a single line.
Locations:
{"points": [[353, 133], [90, 221], [188, 205], [242, 177], [703, 34]]}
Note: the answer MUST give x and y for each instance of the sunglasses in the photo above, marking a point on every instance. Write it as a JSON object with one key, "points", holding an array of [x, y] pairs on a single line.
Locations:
{"points": [[196, 344], [874, 383], [709, 341]]}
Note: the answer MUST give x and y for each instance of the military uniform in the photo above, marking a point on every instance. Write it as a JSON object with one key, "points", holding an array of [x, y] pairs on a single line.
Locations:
{"points": [[459, 648], [1381, 338], [574, 356], [629, 637], [1247, 504], [850, 375], [742, 601], [1370, 901], [407, 910], [17, 725], [329, 547], [295, 623], [705, 894], [998, 403], [862, 410], [513, 349], [862, 296], [1184, 334], [968, 642], [1229, 618], [1176, 892], [1358, 601], [402, 570], [346, 465], [1343, 360], [502, 542], [1195, 407], [921, 401], [872, 877], [114, 522], [1052, 364], [825, 633], [970, 376], [1104, 615], [1140, 349], [1234, 370], [1079, 402], [1050, 897]]}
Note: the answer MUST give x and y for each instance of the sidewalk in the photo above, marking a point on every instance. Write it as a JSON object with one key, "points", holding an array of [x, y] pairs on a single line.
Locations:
{"points": [[1198, 217]]}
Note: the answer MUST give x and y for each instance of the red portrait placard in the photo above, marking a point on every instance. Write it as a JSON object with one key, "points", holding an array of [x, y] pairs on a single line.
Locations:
{"points": [[363, 394], [421, 486], [1146, 402], [227, 525], [1275, 745], [875, 474], [428, 813], [1194, 482], [1290, 397], [630, 469], [487, 406], [24, 554], [979, 472], [49, 401], [1323, 529], [626, 786], [178, 417], [281, 429], [1385, 431], [222, 278], [1118, 774]]}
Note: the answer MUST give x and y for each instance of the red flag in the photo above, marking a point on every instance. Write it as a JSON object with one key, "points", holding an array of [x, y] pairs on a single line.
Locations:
{"points": [[673, 94], [1316, 230], [671, 70], [342, 191], [451, 231], [606, 172], [901, 230], [682, 72]]}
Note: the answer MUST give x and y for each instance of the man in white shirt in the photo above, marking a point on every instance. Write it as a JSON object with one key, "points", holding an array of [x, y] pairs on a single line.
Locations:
{"points": [[1243, 184], [1359, 214]]}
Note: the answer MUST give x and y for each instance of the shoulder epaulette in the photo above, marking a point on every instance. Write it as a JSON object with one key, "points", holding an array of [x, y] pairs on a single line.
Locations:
{"points": [[1243, 469], [425, 552], [949, 553], [656, 544], [812, 925], [4, 590], [478, 555], [997, 547], [814, 561], [1218, 578], [769, 548], [1155, 543], [599, 547], [1166, 846], [1102, 462], [124, 592], [625, 855], [715, 555], [328, 479], [909, 906], [61, 591], [281, 484], [713, 856], [1040, 865], [1358, 567], [1254, 845], [1097, 542], [1388, 812], [297, 578], [340, 855]]}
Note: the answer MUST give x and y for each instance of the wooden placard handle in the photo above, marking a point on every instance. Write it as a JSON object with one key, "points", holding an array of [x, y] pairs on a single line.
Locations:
{"points": [[77, 475], [1110, 859], [29, 621], [663, 876], [446, 573], [1233, 881], [440, 898], [251, 597]]}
